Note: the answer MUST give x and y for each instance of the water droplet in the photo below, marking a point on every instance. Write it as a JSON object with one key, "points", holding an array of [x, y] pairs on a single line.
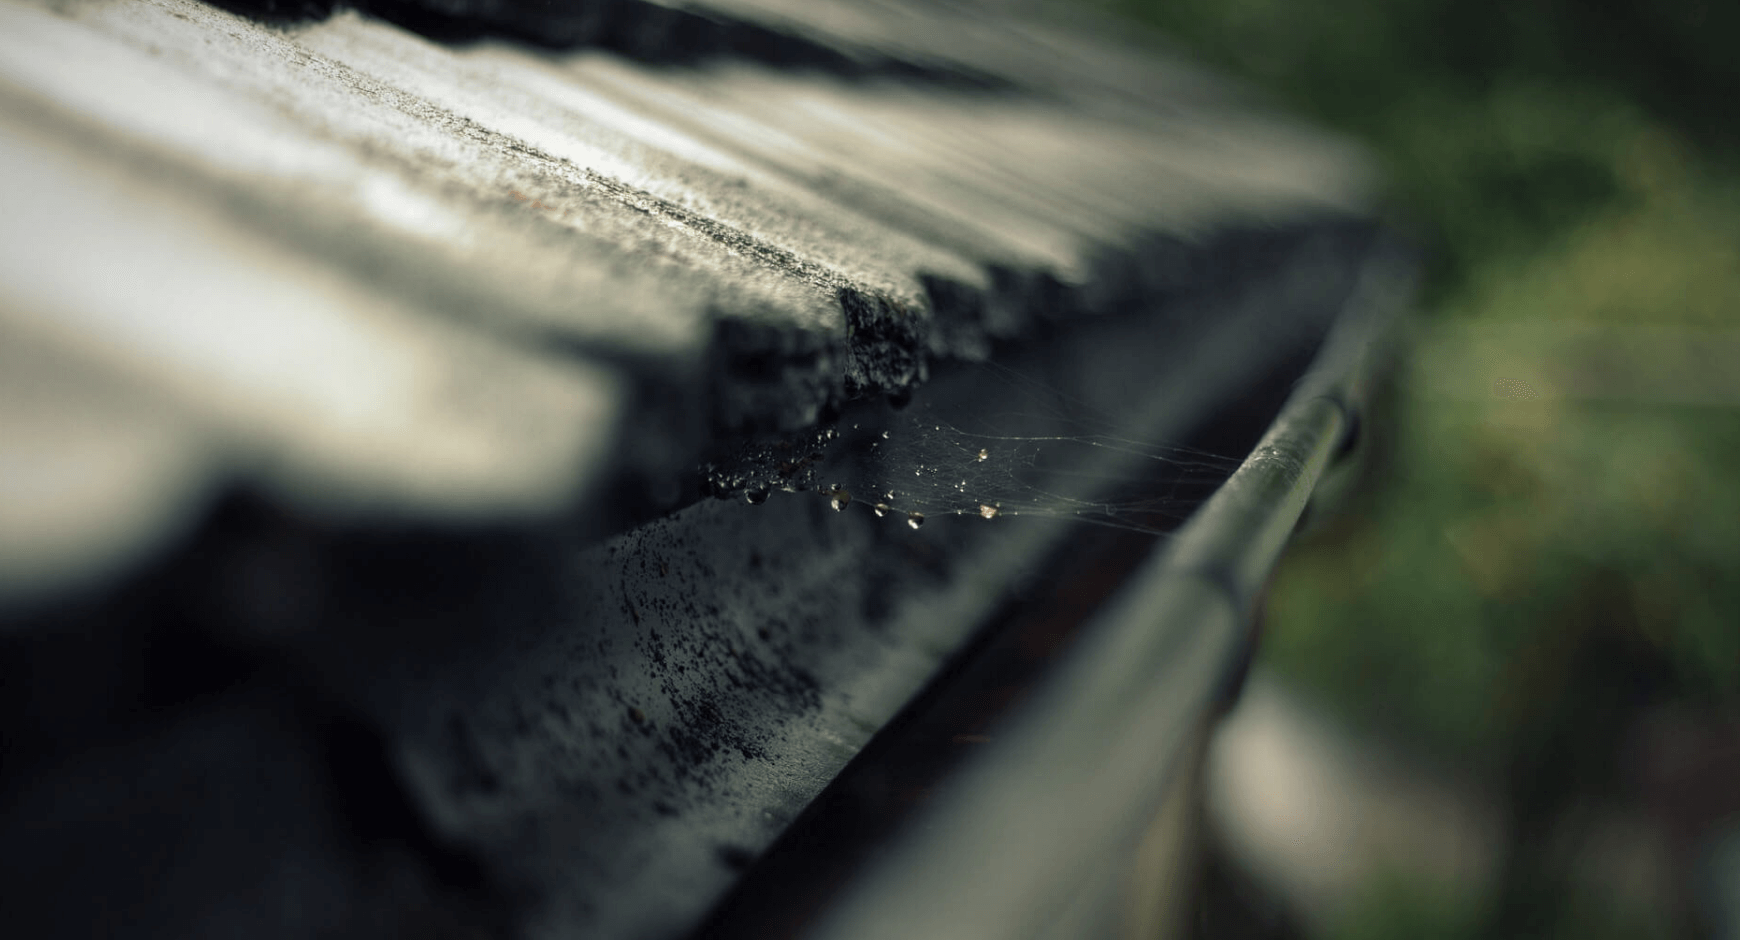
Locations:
{"points": [[830, 434], [755, 497], [983, 453], [889, 496], [841, 500], [885, 435], [915, 519], [880, 510], [988, 511]]}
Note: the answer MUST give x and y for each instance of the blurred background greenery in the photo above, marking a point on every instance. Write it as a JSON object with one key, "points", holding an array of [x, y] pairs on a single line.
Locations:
{"points": [[1533, 583]]}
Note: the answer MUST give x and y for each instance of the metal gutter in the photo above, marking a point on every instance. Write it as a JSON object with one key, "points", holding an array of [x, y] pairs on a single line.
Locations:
{"points": [[1025, 832]]}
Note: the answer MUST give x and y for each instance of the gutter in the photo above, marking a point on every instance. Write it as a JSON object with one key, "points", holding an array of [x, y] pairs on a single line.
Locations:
{"points": [[1017, 841]]}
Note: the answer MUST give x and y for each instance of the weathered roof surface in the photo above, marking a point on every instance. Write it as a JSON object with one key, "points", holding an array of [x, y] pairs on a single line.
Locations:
{"points": [[397, 206], [362, 376]]}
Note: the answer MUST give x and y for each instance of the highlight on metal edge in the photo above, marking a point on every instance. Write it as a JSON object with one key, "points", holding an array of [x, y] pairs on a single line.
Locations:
{"points": [[1018, 845]]}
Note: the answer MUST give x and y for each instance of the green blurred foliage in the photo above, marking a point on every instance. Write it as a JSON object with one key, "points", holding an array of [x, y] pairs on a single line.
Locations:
{"points": [[1567, 160], [1525, 579], [1398, 906], [1501, 122]]}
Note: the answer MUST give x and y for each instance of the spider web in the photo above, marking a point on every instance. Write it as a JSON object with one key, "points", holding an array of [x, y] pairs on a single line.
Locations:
{"points": [[1038, 453]]}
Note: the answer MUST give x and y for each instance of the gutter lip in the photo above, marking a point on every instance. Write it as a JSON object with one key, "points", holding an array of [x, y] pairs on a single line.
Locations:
{"points": [[1070, 780]]}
